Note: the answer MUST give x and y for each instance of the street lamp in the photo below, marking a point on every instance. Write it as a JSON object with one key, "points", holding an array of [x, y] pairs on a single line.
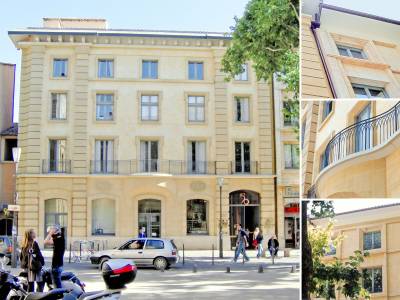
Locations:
{"points": [[16, 151], [220, 184]]}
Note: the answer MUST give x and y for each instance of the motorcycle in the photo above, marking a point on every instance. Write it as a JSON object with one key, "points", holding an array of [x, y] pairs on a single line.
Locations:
{"points": [[116, 274]]}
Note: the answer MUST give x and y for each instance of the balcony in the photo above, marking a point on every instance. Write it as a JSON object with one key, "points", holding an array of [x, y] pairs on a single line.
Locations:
{"points": [[362, 137], [56, 166], [246, 167]]}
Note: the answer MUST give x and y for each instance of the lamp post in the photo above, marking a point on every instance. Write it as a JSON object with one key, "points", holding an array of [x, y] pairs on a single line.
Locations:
{"points": [[220, 184], [16, 156]]}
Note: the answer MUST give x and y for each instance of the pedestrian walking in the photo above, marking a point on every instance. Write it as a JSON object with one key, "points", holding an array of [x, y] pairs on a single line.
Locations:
{"points": [[258, 238], [56, 237], [241, 243], [273, 245], [32, 261], [142, 233]]}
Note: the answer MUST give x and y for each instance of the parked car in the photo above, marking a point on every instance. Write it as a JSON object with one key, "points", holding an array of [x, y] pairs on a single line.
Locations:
{"points": [[6, 246], [161, 253]]}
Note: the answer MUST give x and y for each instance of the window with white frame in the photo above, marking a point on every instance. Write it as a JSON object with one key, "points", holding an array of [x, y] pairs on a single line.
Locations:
{"points": [[196, 71], [196, 217], [351, 52], [60, 67], [148, 156], [242, 110], [105, 68], [58, 106], [242, 157], [196, 157], [57, 150], [291, 156], [149, 69], [327, 107], [372, 240], [104, 156], [104, 107], [372, 280], [196, 111], [149, 107], [244, 75], [366, 91]]}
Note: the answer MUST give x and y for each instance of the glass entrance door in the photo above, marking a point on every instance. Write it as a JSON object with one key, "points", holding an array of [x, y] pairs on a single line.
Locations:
{"points": [[150, 217]]}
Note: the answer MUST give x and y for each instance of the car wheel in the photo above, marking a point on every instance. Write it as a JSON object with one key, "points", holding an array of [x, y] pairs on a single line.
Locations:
{"points": [[160, 263], [102, 261]]}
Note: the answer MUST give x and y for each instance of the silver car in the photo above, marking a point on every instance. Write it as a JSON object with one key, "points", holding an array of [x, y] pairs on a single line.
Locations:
{"points": [[161, 253]]}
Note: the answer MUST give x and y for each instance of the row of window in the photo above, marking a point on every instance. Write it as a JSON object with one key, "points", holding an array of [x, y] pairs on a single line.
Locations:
{"points": [[149, 156], [360, 90], [149, 107], [105, 69]]}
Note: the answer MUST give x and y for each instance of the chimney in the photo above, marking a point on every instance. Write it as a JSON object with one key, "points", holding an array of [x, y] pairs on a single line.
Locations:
{"points": [[74, 23]]}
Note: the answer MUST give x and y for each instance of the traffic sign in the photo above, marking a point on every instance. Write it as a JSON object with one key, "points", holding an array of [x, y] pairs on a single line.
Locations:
{"points": [[12, 207]]}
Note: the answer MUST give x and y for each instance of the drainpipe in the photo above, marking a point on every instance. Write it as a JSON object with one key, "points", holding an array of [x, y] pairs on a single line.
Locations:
{"points": [[274, 153], [315, 25]]}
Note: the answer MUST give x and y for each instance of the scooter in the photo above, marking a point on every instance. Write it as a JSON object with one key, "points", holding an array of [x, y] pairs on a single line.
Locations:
{"points": [[116, 274]]}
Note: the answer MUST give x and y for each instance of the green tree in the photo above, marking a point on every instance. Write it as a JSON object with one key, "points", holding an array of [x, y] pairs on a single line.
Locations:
{"points": [[322, 209], [326, 276], [268, 35]]}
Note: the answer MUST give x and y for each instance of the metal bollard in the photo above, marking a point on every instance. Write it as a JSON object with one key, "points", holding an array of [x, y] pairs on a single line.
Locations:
{"points": [[98, 247], [228, 269], [260, 269], [80, 250], [183, 254], [212, 254], [194, 268], [70, 253], [293, 269]]}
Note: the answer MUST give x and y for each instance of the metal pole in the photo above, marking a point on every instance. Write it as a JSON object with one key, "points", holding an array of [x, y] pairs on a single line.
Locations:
{"points": [[221, 255], [183, 257], [14, 246], [212, 254]]}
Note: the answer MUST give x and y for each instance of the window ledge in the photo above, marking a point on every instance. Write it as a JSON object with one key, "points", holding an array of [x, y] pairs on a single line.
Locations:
{"points": [[360, 62]]}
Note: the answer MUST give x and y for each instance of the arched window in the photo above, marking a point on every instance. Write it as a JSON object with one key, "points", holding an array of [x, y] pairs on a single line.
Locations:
{"points": [[103, 217], [197, 216]]}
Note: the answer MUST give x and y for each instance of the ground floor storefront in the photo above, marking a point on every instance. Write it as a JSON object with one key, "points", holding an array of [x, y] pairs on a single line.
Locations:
{"points": [[184, 208]]}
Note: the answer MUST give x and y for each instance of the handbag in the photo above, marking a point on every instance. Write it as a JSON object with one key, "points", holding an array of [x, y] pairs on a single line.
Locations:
{"points": [[254, 243], [35, 264]]}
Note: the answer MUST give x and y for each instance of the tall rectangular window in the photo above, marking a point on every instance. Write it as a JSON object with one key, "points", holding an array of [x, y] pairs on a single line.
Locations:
{"points": [[242, 110], [289, 119], [58, 106], [365, 91], [291, 156], [149, 69], [149, 107], [196, 71], [104, 156], [303, 133], [104, 107], [363, 135], [372, 280], [60, 67], [196, 157], [196, 109], [244, 76], [327, 108], [242, 157], [57, 155], [372, 240], [148, 156], [105, 68]]}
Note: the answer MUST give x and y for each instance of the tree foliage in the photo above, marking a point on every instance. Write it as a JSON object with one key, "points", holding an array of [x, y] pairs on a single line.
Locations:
{"points": [[268, 36], [328, 275], [322, 209]]}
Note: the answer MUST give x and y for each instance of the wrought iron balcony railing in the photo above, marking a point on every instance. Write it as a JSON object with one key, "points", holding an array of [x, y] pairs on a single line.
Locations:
{"points": [[246, 167], [104, 167], [56, 166], [362, 136]]}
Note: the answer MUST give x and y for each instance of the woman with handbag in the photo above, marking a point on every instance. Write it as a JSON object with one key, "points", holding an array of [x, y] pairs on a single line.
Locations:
{"points": [[32, 261]]}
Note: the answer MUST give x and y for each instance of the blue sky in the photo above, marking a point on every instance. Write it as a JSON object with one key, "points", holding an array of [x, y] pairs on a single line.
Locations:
{"points": [[205, 15]]}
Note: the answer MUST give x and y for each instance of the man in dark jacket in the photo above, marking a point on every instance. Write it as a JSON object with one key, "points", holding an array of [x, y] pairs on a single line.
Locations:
{"points": [[273, 245], [56, 238]]}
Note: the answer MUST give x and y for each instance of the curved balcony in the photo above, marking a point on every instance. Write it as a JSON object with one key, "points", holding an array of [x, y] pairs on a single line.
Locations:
{"points": [[354, 163]]}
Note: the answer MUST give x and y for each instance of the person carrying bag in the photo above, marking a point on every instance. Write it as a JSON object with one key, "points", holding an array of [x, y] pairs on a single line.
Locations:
{"points": [[32, 261]]}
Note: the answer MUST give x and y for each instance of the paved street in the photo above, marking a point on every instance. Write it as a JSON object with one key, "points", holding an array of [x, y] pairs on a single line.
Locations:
{"points": [[209, 282]]}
